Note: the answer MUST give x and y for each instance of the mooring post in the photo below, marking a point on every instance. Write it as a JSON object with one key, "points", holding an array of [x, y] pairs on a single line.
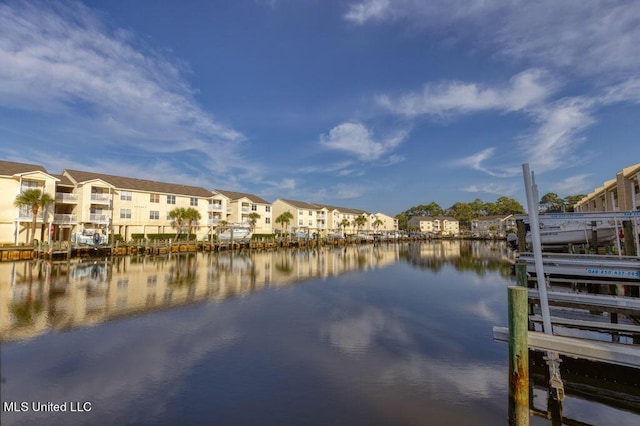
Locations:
{"points": [[518, 356], [629, 243]]}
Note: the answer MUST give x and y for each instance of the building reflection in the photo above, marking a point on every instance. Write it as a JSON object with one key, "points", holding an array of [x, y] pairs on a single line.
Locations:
{"points": [[38, 296]]}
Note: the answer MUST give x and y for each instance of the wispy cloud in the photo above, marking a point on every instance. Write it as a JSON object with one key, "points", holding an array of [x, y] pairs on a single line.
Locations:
{"points": [[477, 160], [555, 141], [60, 58], [573, 185], [356, 139], [595, 37], [500, 188], [528, 88]]}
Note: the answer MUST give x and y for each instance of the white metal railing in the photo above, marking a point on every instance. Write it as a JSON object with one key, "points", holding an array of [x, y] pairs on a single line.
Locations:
{"points": [[213, 222], [98, 218], [215, 207], [321, 216], [100, 198], [246, 209], [64, 219], [65, 197], [24, 216]]}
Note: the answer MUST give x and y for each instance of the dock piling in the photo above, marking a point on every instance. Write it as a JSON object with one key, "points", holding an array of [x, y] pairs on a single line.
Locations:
{"points": [[518, 356]]}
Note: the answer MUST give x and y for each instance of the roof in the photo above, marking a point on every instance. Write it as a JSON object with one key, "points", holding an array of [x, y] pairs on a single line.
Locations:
{"points": [[140, 184], [237, 195], [493, 217], [64, 180], [9, 168], [302, 204]]}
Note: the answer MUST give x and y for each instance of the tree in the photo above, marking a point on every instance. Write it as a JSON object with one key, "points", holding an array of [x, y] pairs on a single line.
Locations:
{"points": [[463, 212], [34, 199], [376, 224], [284, 219], [505, 206], [552, 203], [191, 215], [178, 216], [253, 218], [360, 221], [343, 224], [571, 200]]}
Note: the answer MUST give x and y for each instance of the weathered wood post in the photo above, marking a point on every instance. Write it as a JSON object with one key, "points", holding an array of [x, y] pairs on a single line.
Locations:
{"points": [[522, 235], [629, 238], [518, 356]]}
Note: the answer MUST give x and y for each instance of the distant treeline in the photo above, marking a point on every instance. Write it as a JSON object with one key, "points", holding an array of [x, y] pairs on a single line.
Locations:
{"points": [[466, 212]]}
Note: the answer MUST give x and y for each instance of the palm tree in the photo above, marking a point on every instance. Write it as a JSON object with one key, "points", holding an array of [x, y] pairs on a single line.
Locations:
{"points": [[284, 220], [178, 216], [191, 215], [376, 224], [253, 218], [360, 221], [344, 223], [35, 199]]}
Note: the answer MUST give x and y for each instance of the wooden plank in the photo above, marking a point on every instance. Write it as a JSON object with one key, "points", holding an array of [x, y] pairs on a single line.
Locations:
{"points": [[626, 355]]}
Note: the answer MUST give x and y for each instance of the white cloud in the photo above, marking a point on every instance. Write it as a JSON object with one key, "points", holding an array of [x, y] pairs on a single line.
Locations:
{"points": [[476, 161], [555, 141], [368, 10], [528, 88], [594, 37], [356, 139], [506, 189], [62, 60], [573, 185]]}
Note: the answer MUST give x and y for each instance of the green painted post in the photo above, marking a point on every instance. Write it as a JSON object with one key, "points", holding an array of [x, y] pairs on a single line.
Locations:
{"points": [[518, 356], [521, 275]]}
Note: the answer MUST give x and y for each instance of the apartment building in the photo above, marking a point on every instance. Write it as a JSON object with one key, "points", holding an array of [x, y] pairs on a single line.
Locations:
{"points": [[240, 206], [323, 218], [16, 223], [128, 206], [446, 226], [619, 194], [492, 224]]}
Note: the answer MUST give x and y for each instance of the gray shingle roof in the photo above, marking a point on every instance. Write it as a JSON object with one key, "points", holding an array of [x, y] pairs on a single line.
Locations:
{"points": [[140, 184], [237, 195], [9, 168]]}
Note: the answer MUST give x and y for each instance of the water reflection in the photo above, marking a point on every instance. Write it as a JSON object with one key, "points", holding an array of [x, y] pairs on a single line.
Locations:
{"points": [[41, 295]]}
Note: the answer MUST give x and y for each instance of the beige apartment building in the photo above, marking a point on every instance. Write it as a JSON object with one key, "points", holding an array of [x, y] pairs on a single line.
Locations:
{"points": [[324, 219], [89, 203], [445, 226], [619, 194], [489, 225], [238, 207]]}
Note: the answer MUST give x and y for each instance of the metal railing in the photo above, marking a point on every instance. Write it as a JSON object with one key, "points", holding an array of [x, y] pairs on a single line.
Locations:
{"points": [[62, 219], [100, 198], [98, 218], [66, 197]]}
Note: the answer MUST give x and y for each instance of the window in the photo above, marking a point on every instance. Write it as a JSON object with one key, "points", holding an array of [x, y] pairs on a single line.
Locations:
{"points": [[154, 198], [168, 216], [125, 213], [310, 222], [310, 213], [171, 199], [254, 208], [154, 214], [125, 195], [193, 201], [267, 220], [300, 222], [267, 209]]}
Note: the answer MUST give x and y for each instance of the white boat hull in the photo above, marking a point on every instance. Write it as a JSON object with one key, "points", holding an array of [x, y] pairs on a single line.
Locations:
{"points": [[238, 234], [573, 234]]}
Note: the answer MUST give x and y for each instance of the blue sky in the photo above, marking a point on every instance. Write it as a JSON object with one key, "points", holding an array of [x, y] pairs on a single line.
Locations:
{"points": [[372, 104]]}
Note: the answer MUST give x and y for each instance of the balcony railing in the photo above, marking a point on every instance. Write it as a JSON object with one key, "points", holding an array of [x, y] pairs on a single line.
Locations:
{"points": [[246, 209], [65, 197], [215, 207], [28, 216], [213, 222], [98, 218], [64, 219], [100, 198]]}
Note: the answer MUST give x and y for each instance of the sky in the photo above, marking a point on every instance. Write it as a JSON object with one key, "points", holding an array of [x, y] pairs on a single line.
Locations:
{"points": [[379, 105]]}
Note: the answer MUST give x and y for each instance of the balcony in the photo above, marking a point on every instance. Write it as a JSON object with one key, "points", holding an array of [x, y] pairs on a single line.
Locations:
{"points": [[213, 222], [66, 197], [64, 219], [246, 209], [100, 199], [99, 218], [27, 216], [215, 208]]}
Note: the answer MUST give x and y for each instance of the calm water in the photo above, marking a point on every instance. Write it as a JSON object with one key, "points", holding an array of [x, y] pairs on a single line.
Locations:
{"points": [[367, 335]]}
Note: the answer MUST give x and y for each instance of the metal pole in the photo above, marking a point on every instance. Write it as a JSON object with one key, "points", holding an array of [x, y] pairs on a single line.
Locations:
{"points": [[532, 206]]}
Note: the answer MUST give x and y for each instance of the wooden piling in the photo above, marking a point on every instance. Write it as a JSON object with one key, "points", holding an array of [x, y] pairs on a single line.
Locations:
{"points": [[629, 243], [522, 235], [518, 356]]}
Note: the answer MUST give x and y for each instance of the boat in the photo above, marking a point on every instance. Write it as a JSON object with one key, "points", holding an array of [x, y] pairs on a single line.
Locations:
{"points": [[89, 237], [236, 233], [573, 232]]}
